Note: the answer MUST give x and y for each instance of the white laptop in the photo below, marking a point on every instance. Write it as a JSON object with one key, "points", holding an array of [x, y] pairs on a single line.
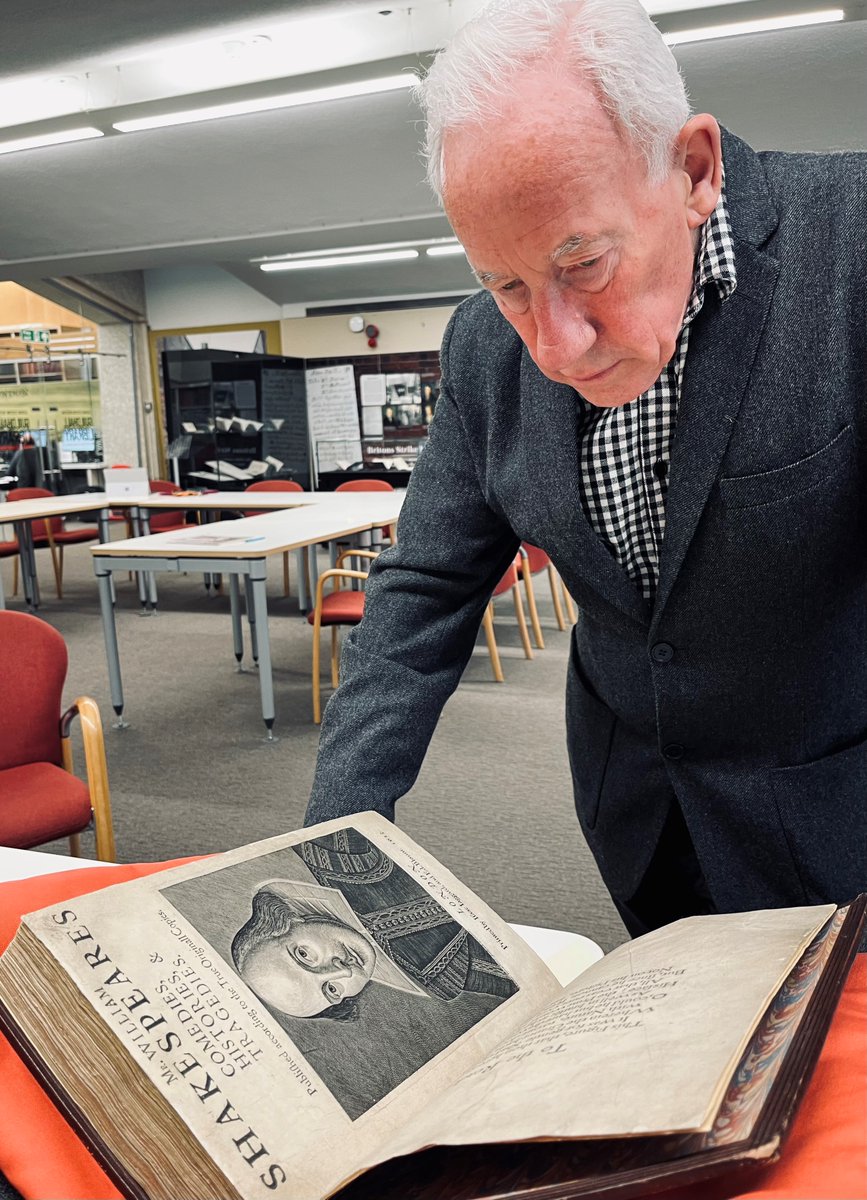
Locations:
{"points": [[129, 482]]}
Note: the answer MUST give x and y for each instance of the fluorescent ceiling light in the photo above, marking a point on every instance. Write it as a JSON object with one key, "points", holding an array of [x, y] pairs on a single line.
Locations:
{"points": [[50, 139], [443, 251], [365, 87], [331, 251], [764, 25], [338, 260]]}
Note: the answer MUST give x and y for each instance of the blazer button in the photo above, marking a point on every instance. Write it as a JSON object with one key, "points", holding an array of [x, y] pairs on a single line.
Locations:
{"points": [[673, 750], [662, 652]]}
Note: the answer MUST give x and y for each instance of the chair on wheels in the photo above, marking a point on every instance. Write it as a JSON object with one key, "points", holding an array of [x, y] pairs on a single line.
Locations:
{"points": [[276, 485], [341, 606], [51, 532], [40, 798], [509, 583], [532, 560]]}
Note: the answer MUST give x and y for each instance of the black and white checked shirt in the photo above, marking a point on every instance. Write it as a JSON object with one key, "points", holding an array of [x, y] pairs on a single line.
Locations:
{"points": [[625, 452]]}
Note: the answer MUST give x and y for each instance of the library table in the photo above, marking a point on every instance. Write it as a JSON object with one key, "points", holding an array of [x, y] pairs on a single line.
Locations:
{"points": [[239, 549], [382, 508], [383, 505], [22, 513]]}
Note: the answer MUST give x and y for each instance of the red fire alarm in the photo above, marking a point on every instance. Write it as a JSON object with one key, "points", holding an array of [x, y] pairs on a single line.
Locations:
{"points": [[372, 332]]}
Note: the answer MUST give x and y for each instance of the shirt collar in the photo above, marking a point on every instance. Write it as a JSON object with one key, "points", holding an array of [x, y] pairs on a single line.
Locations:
{"points": [[715, 260]]}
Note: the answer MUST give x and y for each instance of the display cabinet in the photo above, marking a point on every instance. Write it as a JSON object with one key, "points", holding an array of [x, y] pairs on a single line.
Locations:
{"points": [[235, 418]]}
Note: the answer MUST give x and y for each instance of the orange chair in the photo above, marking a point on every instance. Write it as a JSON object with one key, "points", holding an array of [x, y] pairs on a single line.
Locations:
{"points": [[368, 485], [341, 606], [40, 798], [52, 533], [276, 485], [509, 583], [532, 561]]}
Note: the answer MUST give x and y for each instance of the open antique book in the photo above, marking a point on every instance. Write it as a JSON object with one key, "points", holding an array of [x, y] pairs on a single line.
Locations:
{"points": [[332, 1011]]}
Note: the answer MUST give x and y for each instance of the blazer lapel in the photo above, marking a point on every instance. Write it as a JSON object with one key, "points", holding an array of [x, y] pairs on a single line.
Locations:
{"points": [[552, 414], [723, 344]]}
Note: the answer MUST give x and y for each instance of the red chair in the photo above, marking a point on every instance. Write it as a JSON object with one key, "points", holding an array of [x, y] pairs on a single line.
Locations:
{"points": [[341, 606], [51, 532], [276, 485], [531, 562], [161, 520], [40, 798], [368, 485], [10, 549], [509, 583]]}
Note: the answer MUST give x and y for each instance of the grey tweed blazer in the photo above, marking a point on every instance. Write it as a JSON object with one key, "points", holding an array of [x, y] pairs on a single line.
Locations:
{"points": [[742, 691]]}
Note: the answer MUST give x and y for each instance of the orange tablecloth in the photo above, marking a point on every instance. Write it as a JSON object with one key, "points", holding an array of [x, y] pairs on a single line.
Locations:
{"points": [[825, 1157]]}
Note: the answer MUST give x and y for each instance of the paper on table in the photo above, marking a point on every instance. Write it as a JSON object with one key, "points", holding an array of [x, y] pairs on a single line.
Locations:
{"points": [[276, 463]]}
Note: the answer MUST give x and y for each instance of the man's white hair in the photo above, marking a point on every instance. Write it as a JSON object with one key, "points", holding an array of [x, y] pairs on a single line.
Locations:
{"points": [[612, 44]]}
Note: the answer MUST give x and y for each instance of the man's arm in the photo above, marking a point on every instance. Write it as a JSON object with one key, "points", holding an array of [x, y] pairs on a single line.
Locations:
{"points": [[425, 599]]}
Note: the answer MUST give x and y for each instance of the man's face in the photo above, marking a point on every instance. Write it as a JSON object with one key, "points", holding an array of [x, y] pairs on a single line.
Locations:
{"points": [[589, 262], [313, 966]]}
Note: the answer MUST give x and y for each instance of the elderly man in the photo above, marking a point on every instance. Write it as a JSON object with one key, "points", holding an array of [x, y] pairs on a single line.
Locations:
{"points": [[662, 384]]}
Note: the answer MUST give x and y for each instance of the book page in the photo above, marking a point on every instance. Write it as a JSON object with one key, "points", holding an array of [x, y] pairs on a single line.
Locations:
{"points": [[317, 990], [643, 1042]]}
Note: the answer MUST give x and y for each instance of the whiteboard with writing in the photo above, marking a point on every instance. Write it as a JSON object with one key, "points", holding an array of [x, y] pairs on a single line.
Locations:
{"points": [[332, 412]]}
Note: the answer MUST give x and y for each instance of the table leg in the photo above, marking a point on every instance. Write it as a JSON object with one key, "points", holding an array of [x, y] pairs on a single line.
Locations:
{"points": [[135, 520], [256, 581], [104, 526], [27, 557], [301, 571], [150, 579], [251, 618], [109, 629], [237, 629], [313, 559], [207, 517]]}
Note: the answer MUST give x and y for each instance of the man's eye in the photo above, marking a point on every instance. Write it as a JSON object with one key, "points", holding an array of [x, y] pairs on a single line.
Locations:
{"points": [[303, 953], [332, 993], [512, 297], [587, 265]]}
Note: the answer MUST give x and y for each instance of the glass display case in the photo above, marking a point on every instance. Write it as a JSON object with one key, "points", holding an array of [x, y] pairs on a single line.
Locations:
{"points": [[234, 418]]}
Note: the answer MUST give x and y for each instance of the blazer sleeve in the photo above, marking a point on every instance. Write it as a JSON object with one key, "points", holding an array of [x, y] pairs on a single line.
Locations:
{"points": [[424, 602]]}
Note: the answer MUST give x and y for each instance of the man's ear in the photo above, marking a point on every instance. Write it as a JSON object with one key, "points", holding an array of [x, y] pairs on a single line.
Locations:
{"points": [[699, 155]]}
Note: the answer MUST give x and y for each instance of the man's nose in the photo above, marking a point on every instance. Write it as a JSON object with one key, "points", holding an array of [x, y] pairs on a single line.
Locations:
{"points": [[563, 333]]}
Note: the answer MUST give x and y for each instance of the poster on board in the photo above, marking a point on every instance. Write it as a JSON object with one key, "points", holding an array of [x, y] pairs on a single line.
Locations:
{"points": [[332, 413]]}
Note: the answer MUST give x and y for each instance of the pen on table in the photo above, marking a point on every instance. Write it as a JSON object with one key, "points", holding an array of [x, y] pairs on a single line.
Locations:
{"points": [[261, 538]]}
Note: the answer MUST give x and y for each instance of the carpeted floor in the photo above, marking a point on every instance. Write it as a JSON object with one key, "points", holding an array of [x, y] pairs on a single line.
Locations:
{"points": [[192, 774]]}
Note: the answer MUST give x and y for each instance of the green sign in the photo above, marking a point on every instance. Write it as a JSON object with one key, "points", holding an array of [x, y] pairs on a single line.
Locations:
{"points": [[34, 335]]}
